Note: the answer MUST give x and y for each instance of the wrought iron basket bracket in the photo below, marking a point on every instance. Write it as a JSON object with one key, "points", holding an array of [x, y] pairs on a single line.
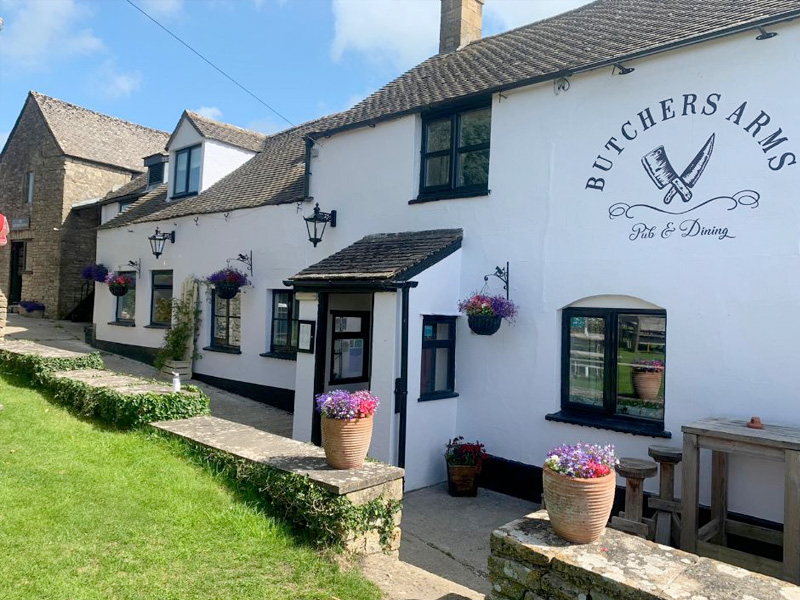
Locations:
{"points": [[245, 259], [137, 266], [502, 275]]}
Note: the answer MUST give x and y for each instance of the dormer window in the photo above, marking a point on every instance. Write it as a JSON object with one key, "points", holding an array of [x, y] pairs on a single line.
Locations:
{"points": [[187, 172], [155, 174]]}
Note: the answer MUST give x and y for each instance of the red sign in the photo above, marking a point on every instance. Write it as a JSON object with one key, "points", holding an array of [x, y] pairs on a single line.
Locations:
{"points": [[3, 230]]}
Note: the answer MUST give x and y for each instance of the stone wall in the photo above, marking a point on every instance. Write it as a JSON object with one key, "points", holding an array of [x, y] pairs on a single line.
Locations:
{"points": [[59, 244], [530, 562]]}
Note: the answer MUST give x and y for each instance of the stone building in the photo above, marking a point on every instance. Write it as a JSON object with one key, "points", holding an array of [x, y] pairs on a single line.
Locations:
{"points": [[57, 156]]}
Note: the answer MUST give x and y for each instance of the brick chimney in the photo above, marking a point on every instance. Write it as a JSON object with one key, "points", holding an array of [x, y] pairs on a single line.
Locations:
{"points": [[461, 24]]}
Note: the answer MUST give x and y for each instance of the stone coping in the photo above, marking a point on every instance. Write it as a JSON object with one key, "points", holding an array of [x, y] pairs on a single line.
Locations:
{"points": [[531, 556], [28, 347], [280, 452], [124, 384]]}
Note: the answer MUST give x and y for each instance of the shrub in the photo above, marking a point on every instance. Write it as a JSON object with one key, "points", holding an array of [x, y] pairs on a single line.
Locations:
{"points": [[179, 339]]}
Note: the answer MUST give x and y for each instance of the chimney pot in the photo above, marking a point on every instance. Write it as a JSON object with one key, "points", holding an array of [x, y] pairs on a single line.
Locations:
{"points": [[461, 24]]}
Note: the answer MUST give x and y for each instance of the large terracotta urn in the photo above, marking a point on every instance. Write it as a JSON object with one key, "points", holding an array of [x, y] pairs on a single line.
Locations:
{"points": [[579, 508], [346, 442]]}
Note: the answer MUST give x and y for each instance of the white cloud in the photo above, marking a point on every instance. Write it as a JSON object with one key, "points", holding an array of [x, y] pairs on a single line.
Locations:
{"points": [[397, 33], [210, 112], [161, 8], [266, 126], [402, 33], [39, 32], [114, 84]]}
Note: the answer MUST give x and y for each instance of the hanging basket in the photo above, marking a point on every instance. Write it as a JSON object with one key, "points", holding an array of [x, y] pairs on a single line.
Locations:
{"points": [[118, 290], [346, 442], [226, 291], [578, 508], [484, 325]]}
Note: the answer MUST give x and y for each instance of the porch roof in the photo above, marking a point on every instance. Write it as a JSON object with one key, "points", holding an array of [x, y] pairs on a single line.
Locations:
{"points": [[383, 258]]}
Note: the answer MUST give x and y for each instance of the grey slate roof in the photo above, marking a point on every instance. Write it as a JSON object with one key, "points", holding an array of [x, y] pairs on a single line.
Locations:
{"points": [[134, 187], [600, 33], [223, 132], [597, 34], [86, 134], [384, 257], [147, 204]]}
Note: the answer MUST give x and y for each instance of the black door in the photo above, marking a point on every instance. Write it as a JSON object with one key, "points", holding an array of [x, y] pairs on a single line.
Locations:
{"points": [[17, 266]]}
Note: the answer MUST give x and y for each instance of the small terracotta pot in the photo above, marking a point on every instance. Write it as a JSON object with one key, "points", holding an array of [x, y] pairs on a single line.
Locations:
{"points": [[462, 480], [647, 384], [346, 443], [579, 508]]}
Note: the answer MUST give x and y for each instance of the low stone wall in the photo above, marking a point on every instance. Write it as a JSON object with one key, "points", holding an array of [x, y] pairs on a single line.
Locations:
{"points": [[530, 562], [356, 509]]}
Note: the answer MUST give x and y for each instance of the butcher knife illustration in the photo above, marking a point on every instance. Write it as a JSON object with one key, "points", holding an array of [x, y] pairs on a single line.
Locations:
{"points": [[661, 172], [692, 173]]}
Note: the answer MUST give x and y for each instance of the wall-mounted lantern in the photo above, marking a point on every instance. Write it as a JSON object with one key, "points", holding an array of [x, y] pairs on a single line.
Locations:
{"points": [[158, 239], [316, 220]]}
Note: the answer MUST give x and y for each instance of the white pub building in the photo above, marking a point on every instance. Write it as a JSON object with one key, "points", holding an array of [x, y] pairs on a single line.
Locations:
{"points": [[630, 167]]}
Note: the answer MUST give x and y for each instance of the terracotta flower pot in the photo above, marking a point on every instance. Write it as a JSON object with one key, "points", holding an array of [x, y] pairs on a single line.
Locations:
{"points": [[118, 290], [462, 480], [579, 508], [647, 384], [346, 443], [226, 291], [483, 324]]}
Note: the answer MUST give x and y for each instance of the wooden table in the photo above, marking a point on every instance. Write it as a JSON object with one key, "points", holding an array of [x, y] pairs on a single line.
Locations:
{"points": [[728, 436]]}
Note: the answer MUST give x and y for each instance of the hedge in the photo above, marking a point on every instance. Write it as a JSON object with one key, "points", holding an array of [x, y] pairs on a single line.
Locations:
{"points": [[328, 519], [106, 404]]}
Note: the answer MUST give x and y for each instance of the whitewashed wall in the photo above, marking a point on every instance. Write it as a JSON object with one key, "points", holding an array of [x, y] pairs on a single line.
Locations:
{"points": [[731, 333]]}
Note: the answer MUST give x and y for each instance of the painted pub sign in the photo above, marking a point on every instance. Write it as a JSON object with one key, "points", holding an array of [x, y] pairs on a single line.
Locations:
{"points": [[671, 206]]}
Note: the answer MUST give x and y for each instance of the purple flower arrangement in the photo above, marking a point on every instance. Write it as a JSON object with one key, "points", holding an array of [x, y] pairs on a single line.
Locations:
{"points": [[582, 461], [229, 276], [488, 306], [647, 366], [341, 404], [31, 305], [95, 272]]}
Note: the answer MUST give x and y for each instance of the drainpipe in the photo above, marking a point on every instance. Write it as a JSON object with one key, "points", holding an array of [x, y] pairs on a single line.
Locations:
{"points": [[307, 177], [401, 383]]}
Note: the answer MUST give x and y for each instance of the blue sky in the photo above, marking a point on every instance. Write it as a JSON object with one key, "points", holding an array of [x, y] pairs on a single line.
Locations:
{"points": [[305, 58]]}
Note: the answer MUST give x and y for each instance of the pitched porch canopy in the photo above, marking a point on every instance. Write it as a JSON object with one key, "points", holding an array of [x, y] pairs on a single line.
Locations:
{"points": [[379, 261]]}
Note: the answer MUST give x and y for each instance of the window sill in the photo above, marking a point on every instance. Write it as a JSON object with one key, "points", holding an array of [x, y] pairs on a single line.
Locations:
{"points": [[280, 355], [157, 326], [610, 423], [437, 396], [122, 323], [222, 349], [449, 195]]}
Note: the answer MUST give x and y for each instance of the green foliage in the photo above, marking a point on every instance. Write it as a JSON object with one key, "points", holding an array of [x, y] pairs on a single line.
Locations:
{"points": [[107, 404], [184, 331], [328, 519]]}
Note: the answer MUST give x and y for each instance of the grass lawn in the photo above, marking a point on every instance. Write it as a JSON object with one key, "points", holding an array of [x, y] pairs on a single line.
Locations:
{"points": [[92, 513]]}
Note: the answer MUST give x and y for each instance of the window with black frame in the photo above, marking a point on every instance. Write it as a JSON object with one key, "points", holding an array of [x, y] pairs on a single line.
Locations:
{"points": [[285, 309], [161, 299], [350, 347], [455, 153], [613, 364], [437, 372], [226, 322], [126, 305], [187, 172]]}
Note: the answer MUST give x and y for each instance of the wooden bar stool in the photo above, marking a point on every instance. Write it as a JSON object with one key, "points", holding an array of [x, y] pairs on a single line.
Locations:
{"points": [[667, 519], [635, 471]]}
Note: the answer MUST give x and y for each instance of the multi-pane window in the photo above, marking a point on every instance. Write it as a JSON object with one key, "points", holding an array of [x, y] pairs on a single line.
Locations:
{"points": [[226, 324], [455, 152], [126, 305], [161, 298], [349, 347], [27, 191], [187, 171], [438, 373], [285, 309], [613, 362]]}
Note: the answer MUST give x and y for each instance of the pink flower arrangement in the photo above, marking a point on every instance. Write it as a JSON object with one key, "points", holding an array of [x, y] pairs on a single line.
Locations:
{"points": [[118, 280], [488, 306], [341, 404], [582, 461]]}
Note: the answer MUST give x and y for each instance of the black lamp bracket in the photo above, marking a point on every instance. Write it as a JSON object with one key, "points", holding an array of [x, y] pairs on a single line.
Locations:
{"points": [[245, 259], [137, 266], [502, 275]]}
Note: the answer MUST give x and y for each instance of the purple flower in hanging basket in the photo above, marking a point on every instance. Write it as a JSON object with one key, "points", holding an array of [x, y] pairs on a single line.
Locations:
{"points": [[95, 272], [488, 306], [229, 276]]}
